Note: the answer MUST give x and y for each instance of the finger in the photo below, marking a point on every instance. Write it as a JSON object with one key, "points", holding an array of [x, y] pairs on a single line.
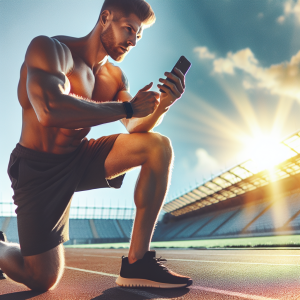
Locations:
{"points": [[152, 94], [171, 86], [176, 80], [146, 87], [156, 95], [181, 76], [166, 90]]}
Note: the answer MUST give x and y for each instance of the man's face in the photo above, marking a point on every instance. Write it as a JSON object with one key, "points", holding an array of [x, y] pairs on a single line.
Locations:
{"points": [[121, 35]]}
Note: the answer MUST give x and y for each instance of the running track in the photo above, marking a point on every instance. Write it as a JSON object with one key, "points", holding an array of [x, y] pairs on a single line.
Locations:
{"points": [[217, 274]]}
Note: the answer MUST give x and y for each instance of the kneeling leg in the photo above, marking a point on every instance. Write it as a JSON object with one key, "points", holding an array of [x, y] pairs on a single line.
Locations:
{"points": [[38, 272]]}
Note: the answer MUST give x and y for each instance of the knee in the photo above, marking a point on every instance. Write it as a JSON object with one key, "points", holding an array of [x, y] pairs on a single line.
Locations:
{"points": [[43, 283], [43, 277], [160, 146]]}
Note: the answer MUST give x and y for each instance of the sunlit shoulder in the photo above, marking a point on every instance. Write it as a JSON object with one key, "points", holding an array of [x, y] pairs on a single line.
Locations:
{"points": [[48, 54]]}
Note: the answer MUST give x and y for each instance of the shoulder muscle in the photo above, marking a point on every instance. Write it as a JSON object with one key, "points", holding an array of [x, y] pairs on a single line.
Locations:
{"points": [[120, 77], [49, 55]]}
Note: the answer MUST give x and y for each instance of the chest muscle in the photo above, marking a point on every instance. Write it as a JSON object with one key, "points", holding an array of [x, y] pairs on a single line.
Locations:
{"points": [[101, 87]]}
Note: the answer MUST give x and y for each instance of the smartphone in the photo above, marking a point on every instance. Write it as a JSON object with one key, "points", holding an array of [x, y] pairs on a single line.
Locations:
{"points": [[183, 65]]}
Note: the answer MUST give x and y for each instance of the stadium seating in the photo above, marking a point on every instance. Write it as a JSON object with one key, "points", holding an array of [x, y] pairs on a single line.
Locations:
{"points": [[12, 230], [126, 227], [162, 231], [293, 205], [177, 229], [1, 222], [239, 221], [198, 222], [279, 213], [80, 228], [108, 229], [217, 221]]}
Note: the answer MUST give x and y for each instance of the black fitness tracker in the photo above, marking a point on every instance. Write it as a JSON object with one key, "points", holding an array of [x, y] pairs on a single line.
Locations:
{"points": [[128, 109]]}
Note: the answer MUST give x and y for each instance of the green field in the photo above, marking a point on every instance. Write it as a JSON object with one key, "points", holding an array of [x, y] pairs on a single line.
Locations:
{"points": [[270, 241]]}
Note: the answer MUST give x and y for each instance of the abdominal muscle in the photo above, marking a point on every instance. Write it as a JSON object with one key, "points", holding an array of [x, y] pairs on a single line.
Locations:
{"points": [[49, 139]]}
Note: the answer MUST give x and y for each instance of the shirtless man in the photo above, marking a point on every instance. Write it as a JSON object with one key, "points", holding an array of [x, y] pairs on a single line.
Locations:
{"points": [[53, 159]]}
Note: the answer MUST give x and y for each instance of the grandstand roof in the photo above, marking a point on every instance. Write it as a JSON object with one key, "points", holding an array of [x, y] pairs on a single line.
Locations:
{"points": [[247, 176]]}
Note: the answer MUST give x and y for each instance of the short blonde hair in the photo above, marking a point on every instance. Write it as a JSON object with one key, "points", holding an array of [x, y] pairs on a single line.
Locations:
{"points": [[140, 8]]}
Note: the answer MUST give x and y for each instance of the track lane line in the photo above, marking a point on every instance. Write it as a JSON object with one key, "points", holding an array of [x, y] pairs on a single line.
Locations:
{"points": [[208, 261], [157, 297], [134, 291], [230, 293], [258, 255], [232, 262], [93, 272]]}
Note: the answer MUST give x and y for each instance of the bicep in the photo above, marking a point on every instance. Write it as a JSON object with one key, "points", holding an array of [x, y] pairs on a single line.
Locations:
{"points": [[45, 63], [44, 85]]}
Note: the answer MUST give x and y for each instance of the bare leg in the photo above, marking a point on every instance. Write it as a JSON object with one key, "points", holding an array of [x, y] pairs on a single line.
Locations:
{"points": [[156, 158], [38, 272], [150, 192]]}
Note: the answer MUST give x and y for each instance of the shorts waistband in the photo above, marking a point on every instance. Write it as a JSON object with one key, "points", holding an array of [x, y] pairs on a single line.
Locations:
{"points": [[27, 153]]}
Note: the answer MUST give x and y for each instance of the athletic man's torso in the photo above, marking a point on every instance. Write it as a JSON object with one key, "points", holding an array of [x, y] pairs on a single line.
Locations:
{"points": [[101, 84]]}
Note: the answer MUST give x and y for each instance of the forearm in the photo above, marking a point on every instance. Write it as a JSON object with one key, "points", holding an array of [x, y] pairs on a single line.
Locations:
{"points": [[146, 124], [72, 113]]}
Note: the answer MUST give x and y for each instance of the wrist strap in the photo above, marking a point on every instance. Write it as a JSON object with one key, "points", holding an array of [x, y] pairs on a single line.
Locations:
{"points": [[128, 109]]}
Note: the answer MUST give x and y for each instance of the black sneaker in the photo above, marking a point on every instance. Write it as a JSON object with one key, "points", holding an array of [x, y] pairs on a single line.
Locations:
{"points": [[4, 239], [150, 272]]}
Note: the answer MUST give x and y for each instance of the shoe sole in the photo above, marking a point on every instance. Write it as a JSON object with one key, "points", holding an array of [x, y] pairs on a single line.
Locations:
{"points": [[143, 283]]}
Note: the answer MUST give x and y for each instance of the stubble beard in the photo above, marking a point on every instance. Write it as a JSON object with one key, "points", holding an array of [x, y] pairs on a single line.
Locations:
{"points": [[108, 41]]}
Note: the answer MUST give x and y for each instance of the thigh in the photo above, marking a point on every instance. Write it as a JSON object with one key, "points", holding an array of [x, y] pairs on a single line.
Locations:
{"points": [[130, 151]]}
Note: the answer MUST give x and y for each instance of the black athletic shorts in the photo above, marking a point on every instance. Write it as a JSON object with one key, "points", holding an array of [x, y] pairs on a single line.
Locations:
{"points": [[44, 184]]}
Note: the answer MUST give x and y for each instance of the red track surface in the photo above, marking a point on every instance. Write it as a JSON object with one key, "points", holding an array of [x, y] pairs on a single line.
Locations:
{"points": [[217, 274]]}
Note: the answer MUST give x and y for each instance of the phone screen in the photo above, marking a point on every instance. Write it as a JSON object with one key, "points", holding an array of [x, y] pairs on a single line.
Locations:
{"points": [[183, 65]]}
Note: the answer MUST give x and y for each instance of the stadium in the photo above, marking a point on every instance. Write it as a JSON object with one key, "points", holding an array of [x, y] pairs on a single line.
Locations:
{"points": [[231, 216]]}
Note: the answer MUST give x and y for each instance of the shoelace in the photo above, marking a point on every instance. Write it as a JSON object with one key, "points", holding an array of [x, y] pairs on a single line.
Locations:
{"points": [[159, 261]]}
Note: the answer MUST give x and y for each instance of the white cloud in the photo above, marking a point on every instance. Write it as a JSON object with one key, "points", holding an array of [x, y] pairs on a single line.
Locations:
{"points": [[206, 164], [243, 59], [204, 53], [290, 8], [260, 15], [223, 65], [280, 19], [281, 79], [247, 84]]}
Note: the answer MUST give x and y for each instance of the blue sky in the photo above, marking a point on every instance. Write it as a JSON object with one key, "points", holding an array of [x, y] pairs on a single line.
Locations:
{"points": [[243, 85]]}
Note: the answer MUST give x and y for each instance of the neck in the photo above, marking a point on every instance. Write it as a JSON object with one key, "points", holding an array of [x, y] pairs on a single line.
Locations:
{"points": [[90, 49]]}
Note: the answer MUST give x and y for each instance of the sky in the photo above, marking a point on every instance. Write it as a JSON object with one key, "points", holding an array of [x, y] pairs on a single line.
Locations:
{"points": [[243, 87]]}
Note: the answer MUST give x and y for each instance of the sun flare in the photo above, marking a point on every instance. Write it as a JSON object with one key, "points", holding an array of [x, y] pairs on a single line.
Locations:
{"points": [[266, 152]]}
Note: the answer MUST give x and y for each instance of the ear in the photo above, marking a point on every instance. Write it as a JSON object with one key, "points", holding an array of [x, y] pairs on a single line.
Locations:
{"points": [[104, 17]]}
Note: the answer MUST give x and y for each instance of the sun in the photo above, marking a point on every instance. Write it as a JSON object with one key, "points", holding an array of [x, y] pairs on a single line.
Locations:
{"points": [[266, 151]]}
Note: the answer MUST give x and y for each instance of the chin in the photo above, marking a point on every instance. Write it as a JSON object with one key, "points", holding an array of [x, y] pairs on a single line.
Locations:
{"points": [[117, 56], [120, 58]]}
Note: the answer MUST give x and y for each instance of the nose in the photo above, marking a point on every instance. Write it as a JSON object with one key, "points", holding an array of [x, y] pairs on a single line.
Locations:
{"points": [[132, 41]]}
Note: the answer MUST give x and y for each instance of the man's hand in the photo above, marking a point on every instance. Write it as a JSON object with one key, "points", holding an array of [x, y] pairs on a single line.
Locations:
{"points": [[145, 102], [173, 91]]}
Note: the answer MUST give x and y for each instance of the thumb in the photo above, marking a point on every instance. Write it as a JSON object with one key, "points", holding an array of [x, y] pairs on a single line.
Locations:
{"points": [[147, 87]]}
